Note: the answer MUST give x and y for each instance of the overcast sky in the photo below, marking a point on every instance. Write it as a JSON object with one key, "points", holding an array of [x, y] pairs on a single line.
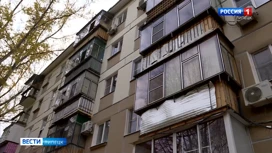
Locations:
{"points": [[74, 26]]}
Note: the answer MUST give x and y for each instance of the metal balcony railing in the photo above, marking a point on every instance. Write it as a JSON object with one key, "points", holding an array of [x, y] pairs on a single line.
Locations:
{"points": [[82, 104]]}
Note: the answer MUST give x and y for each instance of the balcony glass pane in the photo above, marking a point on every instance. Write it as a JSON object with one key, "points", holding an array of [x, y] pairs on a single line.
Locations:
{"points": [[172, 76], [155, 94], [226, 60], [144, 147], [189, 53], [171, 22], [185, 13], [235, 69], [86, 86], [187, 141], [146, 37], [164, 145], [200, 6], [191, 72], [211, 61], [218, 136], [92, 92], [156, 71], [141, 93], [156, 82]]}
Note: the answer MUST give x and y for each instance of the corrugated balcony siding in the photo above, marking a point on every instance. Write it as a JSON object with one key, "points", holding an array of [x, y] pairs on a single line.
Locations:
{"points": [[82, 104]]}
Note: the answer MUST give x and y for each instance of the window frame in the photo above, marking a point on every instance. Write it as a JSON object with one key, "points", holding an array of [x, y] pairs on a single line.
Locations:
{"points": [[112, 79], [197, 127], [72, 92], [153, 27], [121, 18], [117, 45], [134, 70], [103, 133], [130, 120], [269, 48]]}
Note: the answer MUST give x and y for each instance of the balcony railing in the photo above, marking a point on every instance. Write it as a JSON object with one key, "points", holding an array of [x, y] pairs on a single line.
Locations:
{"points": [[82, 104]]}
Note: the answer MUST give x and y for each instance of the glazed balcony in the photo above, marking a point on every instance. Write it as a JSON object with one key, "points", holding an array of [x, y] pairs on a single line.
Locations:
{"points": [[89, 57], [82, 105], [169, 76], [179, 19], [97, 27]]}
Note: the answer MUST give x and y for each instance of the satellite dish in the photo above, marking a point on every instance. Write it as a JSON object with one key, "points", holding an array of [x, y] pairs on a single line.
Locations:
{"points": [[253, 94]]}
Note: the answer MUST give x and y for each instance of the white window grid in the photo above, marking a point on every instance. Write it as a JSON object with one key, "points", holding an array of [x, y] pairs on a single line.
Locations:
{"points": [[138, 118], [112, 88]]}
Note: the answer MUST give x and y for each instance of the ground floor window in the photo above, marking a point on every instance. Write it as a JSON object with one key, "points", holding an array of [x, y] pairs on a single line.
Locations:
{"points": [[209, 137]]}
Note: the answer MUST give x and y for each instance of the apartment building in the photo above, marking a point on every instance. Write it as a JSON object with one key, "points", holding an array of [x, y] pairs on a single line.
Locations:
{"points": [[162, 76], [38, 100], [178, 78]]}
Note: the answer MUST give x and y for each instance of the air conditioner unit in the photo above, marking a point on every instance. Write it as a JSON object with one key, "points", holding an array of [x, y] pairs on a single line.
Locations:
{"points": [[258, 94], [244, 20], [87, 128]]}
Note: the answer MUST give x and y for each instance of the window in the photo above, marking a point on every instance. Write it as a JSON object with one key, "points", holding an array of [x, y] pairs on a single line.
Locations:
{"points": [[40, 103], [44, 88], [83, 55], [185, 12], [157, 32], [156, 84], [111, 84], [134, 122], [103, 132], [210, 137], [53, 98], [89, 88], [73, 90], [44, 121], [263, 64], [35, 114], [243, 3], [95, 50], [121, 18], [137, 66], [117, 47]]}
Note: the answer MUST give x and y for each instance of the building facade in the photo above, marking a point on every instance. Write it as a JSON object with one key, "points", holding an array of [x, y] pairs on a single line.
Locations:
{"points": [[165, 76]]}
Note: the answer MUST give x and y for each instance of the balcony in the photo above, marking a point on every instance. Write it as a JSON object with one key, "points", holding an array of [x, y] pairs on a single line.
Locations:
{"points": [[82, 105], [28, 96], [179, 18], [97, 27], [196, 64], [74, 70]]}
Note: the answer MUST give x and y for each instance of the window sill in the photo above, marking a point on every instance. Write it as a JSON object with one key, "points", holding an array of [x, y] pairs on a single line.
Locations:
{"points": [[112, 56], [129, 134], [98, 146]]}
